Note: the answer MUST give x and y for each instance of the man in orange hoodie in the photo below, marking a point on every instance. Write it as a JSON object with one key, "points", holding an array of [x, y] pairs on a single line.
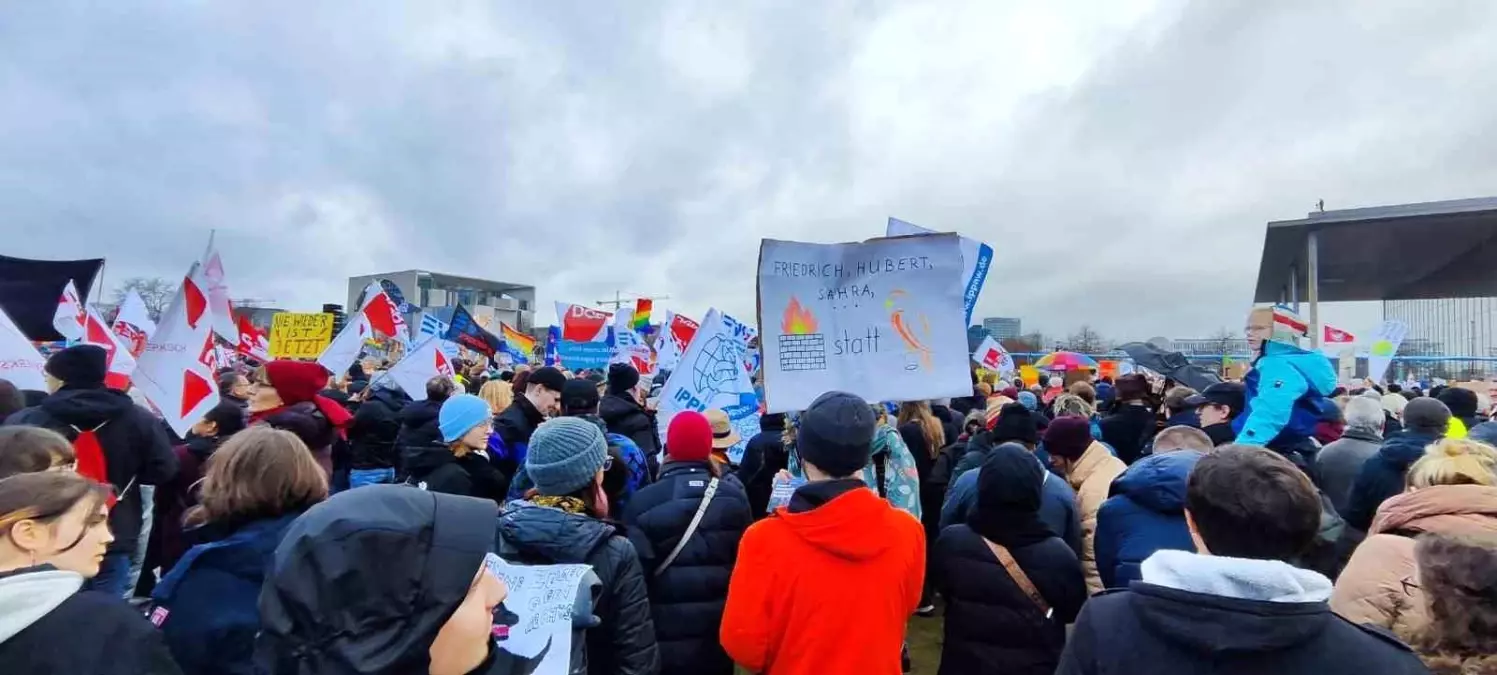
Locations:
{"points": [[826, 584]]}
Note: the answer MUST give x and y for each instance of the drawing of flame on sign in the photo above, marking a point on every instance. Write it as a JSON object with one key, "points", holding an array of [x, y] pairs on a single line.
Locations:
{"points": [[906, 331], [797, 320]]}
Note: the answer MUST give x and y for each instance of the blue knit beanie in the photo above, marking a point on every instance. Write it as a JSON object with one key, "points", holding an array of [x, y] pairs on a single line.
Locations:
{"points": [[1028, 399], [460, 414], [565, 455]]}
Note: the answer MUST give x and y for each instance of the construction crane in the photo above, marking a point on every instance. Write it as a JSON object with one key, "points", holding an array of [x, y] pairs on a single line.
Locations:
{"points": [[619, 300]]}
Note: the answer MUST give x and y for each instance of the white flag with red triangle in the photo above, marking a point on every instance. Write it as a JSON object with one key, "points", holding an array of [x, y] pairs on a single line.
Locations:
{"points": [[120, 363], [69, 317], [421, 364], [133, 322], [174, 372], [346, 345], [20, 363], [220, 312]]}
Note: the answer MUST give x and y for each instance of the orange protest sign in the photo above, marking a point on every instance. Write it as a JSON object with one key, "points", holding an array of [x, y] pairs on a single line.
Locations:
{"points": [[1030, 375]]}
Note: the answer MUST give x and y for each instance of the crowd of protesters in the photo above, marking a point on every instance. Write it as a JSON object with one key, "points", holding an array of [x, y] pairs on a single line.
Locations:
{"points": [[316, 523]]}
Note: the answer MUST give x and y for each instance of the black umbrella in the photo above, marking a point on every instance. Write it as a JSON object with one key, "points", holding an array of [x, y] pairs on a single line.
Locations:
{"points": [[1173, 365]]}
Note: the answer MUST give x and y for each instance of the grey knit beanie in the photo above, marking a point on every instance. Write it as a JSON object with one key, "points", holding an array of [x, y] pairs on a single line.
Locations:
{"points": [[1426, 414], [565, 455]]}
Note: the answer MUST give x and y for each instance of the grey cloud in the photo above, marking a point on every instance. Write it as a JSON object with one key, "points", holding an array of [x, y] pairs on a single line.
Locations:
{"points": [[1122, 162]]}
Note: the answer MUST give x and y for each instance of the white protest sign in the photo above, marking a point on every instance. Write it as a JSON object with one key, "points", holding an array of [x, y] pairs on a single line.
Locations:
{"points": [[976, 258], [881, 319], [20, 363], [1382, 346], [542, 596], [993, 356], [712, 374]]}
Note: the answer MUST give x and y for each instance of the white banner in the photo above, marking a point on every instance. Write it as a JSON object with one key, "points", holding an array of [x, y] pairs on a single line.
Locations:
{"points": [[174, 372], [133, 322], [1383, 346], [542, 596], [882, 319], [628, 345], [993, 356], [346, 345], [711, 375], [20, 363], [69, 319]]}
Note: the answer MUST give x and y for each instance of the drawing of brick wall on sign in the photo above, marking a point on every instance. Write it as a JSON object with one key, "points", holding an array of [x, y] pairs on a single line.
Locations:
{"points": [[801, 347]]}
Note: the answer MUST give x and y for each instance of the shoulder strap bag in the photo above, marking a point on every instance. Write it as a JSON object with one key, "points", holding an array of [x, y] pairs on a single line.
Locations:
{"points": [[1020, 578], [691, 529]]}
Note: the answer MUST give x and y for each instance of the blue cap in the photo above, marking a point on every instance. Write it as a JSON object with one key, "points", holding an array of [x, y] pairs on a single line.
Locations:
{"points": [[460, 414]]}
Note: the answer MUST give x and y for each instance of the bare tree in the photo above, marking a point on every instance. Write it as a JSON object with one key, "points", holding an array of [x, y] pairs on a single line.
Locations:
{"points": [[1224, 341], [155, 291], [1032, 342], [1087, 341]]}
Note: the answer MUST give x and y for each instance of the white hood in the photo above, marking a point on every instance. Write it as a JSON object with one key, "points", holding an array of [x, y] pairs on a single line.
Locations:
{"points": [[1266, 580], [29, 596]]}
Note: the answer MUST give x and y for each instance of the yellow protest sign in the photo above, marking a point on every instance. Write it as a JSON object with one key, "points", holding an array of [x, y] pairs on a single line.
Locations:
{"points": [[300, 336], [1030, 375]]}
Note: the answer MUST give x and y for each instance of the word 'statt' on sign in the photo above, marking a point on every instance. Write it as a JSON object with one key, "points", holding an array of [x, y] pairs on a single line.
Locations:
{"points": [[883, 319], [300, 336]]}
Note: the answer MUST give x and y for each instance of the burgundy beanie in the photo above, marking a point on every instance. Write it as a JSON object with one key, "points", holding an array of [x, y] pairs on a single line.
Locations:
{"points": [[689, 437], [1068, 437]]}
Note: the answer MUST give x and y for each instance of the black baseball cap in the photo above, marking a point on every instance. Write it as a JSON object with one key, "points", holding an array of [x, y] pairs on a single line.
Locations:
{"points": [[1230, 394], [579, 397]]}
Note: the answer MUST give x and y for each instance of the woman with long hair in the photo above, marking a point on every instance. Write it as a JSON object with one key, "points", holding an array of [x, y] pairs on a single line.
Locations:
{"points": [[54, 531], [1451, 491], [564, 519], [926, 437], [255, 485], [498, 394], [1458, 575]]}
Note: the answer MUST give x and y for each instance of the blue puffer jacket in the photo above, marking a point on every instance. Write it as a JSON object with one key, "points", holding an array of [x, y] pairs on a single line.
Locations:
{"points": [[1382, 475], [1285, 395], [1145, 513], [208, 605], [687, 600]]}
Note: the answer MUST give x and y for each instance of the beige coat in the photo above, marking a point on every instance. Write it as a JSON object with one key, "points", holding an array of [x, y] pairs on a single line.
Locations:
{"points": [[1092, 478], [1371, 589]]}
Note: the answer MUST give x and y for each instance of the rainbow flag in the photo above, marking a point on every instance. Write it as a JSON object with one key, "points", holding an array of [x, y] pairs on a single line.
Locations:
{"points": [[642, 314], [519, 346]]}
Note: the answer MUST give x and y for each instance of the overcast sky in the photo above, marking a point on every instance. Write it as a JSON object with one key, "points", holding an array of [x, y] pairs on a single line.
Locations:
{"points": [[1122, 157]]}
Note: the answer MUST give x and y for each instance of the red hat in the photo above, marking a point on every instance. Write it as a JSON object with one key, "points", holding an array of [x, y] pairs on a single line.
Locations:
{"points": [[689, 437], [300, 381]]}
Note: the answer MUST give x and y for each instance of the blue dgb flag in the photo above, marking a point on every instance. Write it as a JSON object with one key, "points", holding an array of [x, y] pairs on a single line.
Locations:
{"points": [[465, 331]]}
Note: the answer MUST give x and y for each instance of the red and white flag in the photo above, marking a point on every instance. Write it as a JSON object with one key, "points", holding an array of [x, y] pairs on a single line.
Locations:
{"points": [[20, 363], [70, 316], [220, 312], [1333, 340], [993, 356], [174, 371], [346, 345], [421, 364], [133, 323], [120, 362], [582, 324], [384, 315], [253, 342]]}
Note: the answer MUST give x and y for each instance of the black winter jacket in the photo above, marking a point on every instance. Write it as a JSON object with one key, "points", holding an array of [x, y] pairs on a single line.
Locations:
{"points": [[418, 431], [514, 427], [372, 434], [626, 417], [1163, 631], [136, 449], [687, 600], [1382, 476], [624, 642], [435, 468], [763, 458], [1128, 430], [86, 633], [991, 626]]}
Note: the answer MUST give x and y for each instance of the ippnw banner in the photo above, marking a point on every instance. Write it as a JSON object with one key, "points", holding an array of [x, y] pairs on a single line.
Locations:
{"points": [[882, 319], [976, 258]]}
